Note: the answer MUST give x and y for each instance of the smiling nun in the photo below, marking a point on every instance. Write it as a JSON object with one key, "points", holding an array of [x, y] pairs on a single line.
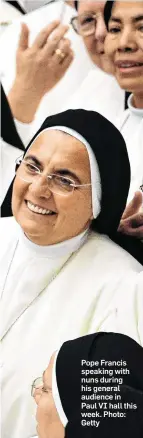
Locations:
{"points": [[62, 273]]}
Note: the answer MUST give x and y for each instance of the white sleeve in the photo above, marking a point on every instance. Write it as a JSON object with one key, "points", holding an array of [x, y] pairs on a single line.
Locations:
{"points": [[124, 309], [25, 131]]}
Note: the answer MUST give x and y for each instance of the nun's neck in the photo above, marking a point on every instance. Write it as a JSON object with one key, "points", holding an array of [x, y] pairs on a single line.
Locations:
{"points": [[61, 249], [137, 100]]}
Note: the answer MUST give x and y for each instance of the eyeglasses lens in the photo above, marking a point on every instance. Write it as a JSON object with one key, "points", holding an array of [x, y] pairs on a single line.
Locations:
{"points": [[86, 25], [37, 384], [57, 184]]}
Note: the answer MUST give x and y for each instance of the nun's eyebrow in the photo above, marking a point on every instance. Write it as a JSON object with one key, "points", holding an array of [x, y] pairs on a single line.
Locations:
{"points": [[62, 172], [133, 19], [68, 172], [34, 159]]}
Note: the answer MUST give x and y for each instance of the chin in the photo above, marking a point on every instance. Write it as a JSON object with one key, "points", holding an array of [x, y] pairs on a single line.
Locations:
{"points": [[130, 84]]}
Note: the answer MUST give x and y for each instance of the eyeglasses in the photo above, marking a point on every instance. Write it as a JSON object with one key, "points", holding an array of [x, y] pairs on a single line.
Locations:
{"points": [[38, 384], [60, 185], [85, 24]]}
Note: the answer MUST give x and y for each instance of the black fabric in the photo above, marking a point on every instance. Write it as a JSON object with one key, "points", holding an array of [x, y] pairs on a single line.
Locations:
{"points": [[8, 128], [107, 11], [131, 244], [110, 151], [76, 4], [127, 94], [10, 136], [16, 5], [110, 347], [6, 210]]}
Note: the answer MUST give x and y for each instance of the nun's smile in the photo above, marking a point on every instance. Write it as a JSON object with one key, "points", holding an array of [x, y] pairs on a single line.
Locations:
{"points": [[124, 44], [48, 215]]}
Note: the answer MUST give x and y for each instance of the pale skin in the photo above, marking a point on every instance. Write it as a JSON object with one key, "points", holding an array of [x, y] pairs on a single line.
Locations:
{"points": [[38, 68], [132, 219], [125, 42], [70, 215], [48, 421], [95, 43], [19, 96]]}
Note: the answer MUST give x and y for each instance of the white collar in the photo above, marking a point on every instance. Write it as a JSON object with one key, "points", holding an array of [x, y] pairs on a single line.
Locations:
{"points": [[57, 250], [136, 111]]}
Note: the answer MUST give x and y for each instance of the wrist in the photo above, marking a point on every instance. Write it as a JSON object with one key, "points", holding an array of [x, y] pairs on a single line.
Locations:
{"points": [[23, 102]]}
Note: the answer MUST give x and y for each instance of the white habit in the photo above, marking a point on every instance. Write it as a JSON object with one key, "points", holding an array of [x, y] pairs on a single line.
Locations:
{"points": [[89, 293], [131, 127]]}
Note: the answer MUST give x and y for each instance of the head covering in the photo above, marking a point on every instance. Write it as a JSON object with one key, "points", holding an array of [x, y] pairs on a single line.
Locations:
{"points": [[122, 357], [10, 136], [110, 152], [107, 11], [8, 128]]}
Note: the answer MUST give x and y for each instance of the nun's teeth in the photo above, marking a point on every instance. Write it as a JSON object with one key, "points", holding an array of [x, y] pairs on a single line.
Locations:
{"points": [[37, 209]]}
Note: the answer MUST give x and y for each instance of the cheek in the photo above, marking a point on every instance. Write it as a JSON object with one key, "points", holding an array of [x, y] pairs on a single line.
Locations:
{"points": [[110, 45], [90, 43], [19, 190], [79, 209], [140, 43], [43, 410]]}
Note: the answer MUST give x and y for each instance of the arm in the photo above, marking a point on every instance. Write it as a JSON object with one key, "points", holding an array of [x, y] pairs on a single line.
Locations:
{"points": [[38, 69]]}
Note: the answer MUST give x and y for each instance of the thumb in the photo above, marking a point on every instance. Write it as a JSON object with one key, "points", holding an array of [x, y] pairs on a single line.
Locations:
{"points": [[23, 39], [134, 205]]}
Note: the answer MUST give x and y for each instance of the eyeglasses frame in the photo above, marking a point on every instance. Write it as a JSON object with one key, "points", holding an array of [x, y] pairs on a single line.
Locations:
{"points": [[18, 162], [94, 16]]}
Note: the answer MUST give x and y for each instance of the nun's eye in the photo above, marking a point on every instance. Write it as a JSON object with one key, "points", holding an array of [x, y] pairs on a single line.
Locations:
{"points": [[31, 168], [45, 390]]}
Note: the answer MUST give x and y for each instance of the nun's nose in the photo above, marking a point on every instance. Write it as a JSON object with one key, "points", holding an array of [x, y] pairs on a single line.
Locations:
{"points": [[127, 42], [40, 187], [100, 30]]}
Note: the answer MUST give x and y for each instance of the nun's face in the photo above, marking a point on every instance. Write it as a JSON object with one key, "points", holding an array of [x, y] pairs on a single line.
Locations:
{"points": [[94, 42], [49, 423], [48, 217], [124, 44]]}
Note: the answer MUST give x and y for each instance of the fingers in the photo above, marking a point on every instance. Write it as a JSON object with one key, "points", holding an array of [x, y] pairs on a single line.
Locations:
{"points": [[64, 48], [54, 40], [23, 40], [64, 45], [42, 37], [134, 205], [137, 232], [67, 60], [132, 226]]}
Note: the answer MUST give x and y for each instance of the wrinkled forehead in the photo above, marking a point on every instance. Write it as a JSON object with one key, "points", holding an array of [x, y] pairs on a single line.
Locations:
{"points": [[60, 148], [86, 6]]}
